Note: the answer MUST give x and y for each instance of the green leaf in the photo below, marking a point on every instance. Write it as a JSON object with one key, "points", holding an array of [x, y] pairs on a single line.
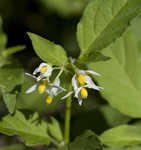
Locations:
{"points": [[13, 147], [48, 51], [30, 130], [122, 135], [3, 37], [11, 50], [121, 75], [87, 141], [113, 117], [65, 8], [124, 148], [11, 76], [55, 130], [10, 101], [103, 21]]}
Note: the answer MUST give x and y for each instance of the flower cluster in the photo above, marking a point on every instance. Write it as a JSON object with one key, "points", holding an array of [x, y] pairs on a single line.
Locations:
{"points": [[80, 82], [43, 84]]}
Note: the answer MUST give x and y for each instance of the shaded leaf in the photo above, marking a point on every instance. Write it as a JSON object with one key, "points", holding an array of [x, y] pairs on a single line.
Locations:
{"points": [[54, 129], [113, 117], [122, 135], [11, 50], [13, 147], [10, 101], [11, 76], [30, 130], [65, 8], [87, 141]]}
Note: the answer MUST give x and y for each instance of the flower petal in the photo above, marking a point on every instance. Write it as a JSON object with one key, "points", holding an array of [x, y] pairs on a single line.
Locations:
{"points": [[92, 72], [67, 95], [77, 92], [90, 84], [74, 83], [48, 72], [80, 100], [30, 75], [31, 89], [40, 67], [82, 72]]}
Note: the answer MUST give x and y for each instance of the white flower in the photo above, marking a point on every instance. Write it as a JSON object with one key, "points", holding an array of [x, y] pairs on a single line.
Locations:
{"points": [[55, 88], [80, 82], [44, 69], [52, 89], [39, 85]]}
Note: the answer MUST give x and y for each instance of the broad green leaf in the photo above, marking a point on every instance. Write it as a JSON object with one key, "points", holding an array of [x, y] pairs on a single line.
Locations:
{"points": [[65, 8], [113, 117], [11, 76], [121, 75], [48, 51], [54, 129], [30, 130], [10, 101], [122, 135], [103, 21], [87, 141]]}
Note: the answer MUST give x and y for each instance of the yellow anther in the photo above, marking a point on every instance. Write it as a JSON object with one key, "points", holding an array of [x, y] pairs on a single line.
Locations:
{"points": [[49, 100], [42, 87], [43, 69], [82, 79], [84, 93]]}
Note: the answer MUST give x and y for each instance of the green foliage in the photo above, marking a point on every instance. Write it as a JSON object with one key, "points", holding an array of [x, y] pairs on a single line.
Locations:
{"points": [[10, 101], [122, 136], [113, 117], [103, 21], [120, 76], [65, 8], [9, 51], [55, 130], [3, 36], [48, 51], [87, 141], [30, 130], [124, 148], [13, 147], [11, 76]]}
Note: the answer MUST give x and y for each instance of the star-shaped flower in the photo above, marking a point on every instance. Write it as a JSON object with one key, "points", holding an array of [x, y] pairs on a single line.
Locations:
{"points": [[80, 81]]}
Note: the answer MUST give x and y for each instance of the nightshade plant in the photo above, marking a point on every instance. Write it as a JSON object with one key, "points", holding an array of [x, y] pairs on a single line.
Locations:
{"points": [[109, 54]]}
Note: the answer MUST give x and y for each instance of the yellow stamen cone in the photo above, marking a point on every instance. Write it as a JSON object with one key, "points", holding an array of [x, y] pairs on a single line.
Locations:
{"points": [[49, 100], [42, 87], [43, 69], [82, 79], [84, 93]]}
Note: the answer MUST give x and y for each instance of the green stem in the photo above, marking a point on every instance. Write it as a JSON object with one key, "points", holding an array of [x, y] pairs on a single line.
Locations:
{"points": [[67, 120]]}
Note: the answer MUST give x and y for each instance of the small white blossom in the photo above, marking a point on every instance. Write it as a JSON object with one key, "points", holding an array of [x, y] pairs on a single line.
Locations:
{"points": [[80, 84], [55, 88], [44, 69]]}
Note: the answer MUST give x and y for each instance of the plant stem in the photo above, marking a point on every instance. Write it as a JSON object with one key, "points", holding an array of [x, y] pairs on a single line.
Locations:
{"points": [[67, 120]]}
